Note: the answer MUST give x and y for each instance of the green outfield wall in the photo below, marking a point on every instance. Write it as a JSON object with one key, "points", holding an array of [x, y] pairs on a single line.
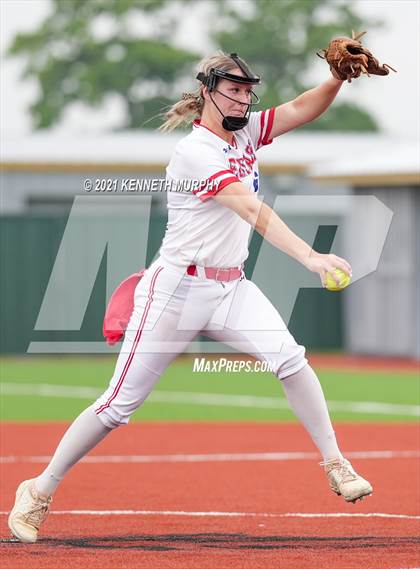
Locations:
{"points": [[28, 249]]}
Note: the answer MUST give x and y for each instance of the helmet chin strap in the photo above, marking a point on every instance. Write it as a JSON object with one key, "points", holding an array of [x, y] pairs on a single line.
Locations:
{"points": [[232, 123]]}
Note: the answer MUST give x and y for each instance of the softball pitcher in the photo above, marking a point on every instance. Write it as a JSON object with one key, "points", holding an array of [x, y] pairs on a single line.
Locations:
{"points": [[197, 284]]}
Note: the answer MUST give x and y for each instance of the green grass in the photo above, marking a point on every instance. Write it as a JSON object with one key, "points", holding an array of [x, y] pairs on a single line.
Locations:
{"points": [[339, 386]]}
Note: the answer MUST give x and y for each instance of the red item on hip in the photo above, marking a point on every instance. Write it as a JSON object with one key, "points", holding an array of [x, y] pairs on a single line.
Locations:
{"points": [[120, 308]]}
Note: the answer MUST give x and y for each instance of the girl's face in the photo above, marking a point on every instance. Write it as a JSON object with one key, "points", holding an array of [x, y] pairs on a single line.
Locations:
{"points": [[232, 98], [239, 97]]}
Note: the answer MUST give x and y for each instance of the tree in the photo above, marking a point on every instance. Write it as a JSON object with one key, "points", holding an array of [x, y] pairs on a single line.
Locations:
{"points": [[281, 38], [86, 50]]}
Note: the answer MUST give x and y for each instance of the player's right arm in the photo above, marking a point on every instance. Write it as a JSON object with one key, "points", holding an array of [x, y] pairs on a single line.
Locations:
{"points": [[238, 198]]}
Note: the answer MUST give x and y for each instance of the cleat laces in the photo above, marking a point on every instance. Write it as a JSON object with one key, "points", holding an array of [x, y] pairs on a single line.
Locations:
{"points": [[346, 473], [37, 514], [344, 469]]}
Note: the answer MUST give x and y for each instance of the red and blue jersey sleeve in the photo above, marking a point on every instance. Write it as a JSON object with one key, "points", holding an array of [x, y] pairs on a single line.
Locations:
{"points": [[214, 183], [206, 166], [259, 127]]}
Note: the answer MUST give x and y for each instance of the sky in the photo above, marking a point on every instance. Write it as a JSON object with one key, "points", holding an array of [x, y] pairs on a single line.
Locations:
{"points": [[393, 100]]}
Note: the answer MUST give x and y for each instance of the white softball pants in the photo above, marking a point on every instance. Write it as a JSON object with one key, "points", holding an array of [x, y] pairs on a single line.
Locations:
{"points": [[171, 308]]}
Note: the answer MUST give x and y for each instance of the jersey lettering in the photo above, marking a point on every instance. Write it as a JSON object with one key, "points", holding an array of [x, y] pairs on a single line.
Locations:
{"points": [[242, 167]]}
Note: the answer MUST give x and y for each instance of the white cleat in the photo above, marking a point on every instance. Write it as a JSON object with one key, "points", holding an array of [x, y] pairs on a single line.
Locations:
{"points": [[30, 510], [345, 481]]}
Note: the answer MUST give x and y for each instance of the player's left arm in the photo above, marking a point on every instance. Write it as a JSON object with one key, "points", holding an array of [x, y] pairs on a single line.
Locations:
{"points": [[305, 108]]}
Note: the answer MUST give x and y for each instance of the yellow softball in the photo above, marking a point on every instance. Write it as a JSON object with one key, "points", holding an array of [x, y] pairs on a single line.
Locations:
{"points": [[331, 284]]}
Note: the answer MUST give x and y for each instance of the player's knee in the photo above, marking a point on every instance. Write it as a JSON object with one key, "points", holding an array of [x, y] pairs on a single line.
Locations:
{"points": [[292, 360], [111, 419], [114, 413]]}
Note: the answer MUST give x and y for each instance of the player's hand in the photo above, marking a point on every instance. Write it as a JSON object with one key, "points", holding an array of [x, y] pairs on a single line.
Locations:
{"points": [[326, 263]]}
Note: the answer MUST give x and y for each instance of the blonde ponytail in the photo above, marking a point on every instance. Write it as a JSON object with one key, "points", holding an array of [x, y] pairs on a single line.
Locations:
{"points": [[185, 111]]}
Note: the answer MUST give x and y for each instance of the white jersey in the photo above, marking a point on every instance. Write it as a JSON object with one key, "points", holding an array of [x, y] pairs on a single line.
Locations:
{"points": [[201, 231]]}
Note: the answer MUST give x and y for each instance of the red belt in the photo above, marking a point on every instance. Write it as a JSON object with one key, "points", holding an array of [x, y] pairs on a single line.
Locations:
{"points": [[216, 274]]}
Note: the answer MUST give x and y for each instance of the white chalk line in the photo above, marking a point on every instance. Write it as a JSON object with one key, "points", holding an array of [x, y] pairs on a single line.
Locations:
{"points": [[215, 457], [212, 399], [226, 514]]}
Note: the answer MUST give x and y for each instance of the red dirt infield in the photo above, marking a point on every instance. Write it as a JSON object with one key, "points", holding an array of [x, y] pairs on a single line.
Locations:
{"points": [[142, 508]]}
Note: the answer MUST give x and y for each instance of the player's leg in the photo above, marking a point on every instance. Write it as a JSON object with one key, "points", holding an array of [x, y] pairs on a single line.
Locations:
{"points": [[152, 341], [33, 497], [251, 324], [137, 370], [304, 393]]}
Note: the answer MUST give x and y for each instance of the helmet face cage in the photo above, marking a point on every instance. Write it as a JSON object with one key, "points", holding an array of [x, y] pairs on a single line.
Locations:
{"points": [[254, 98], [210, 80], [232, 123]]}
